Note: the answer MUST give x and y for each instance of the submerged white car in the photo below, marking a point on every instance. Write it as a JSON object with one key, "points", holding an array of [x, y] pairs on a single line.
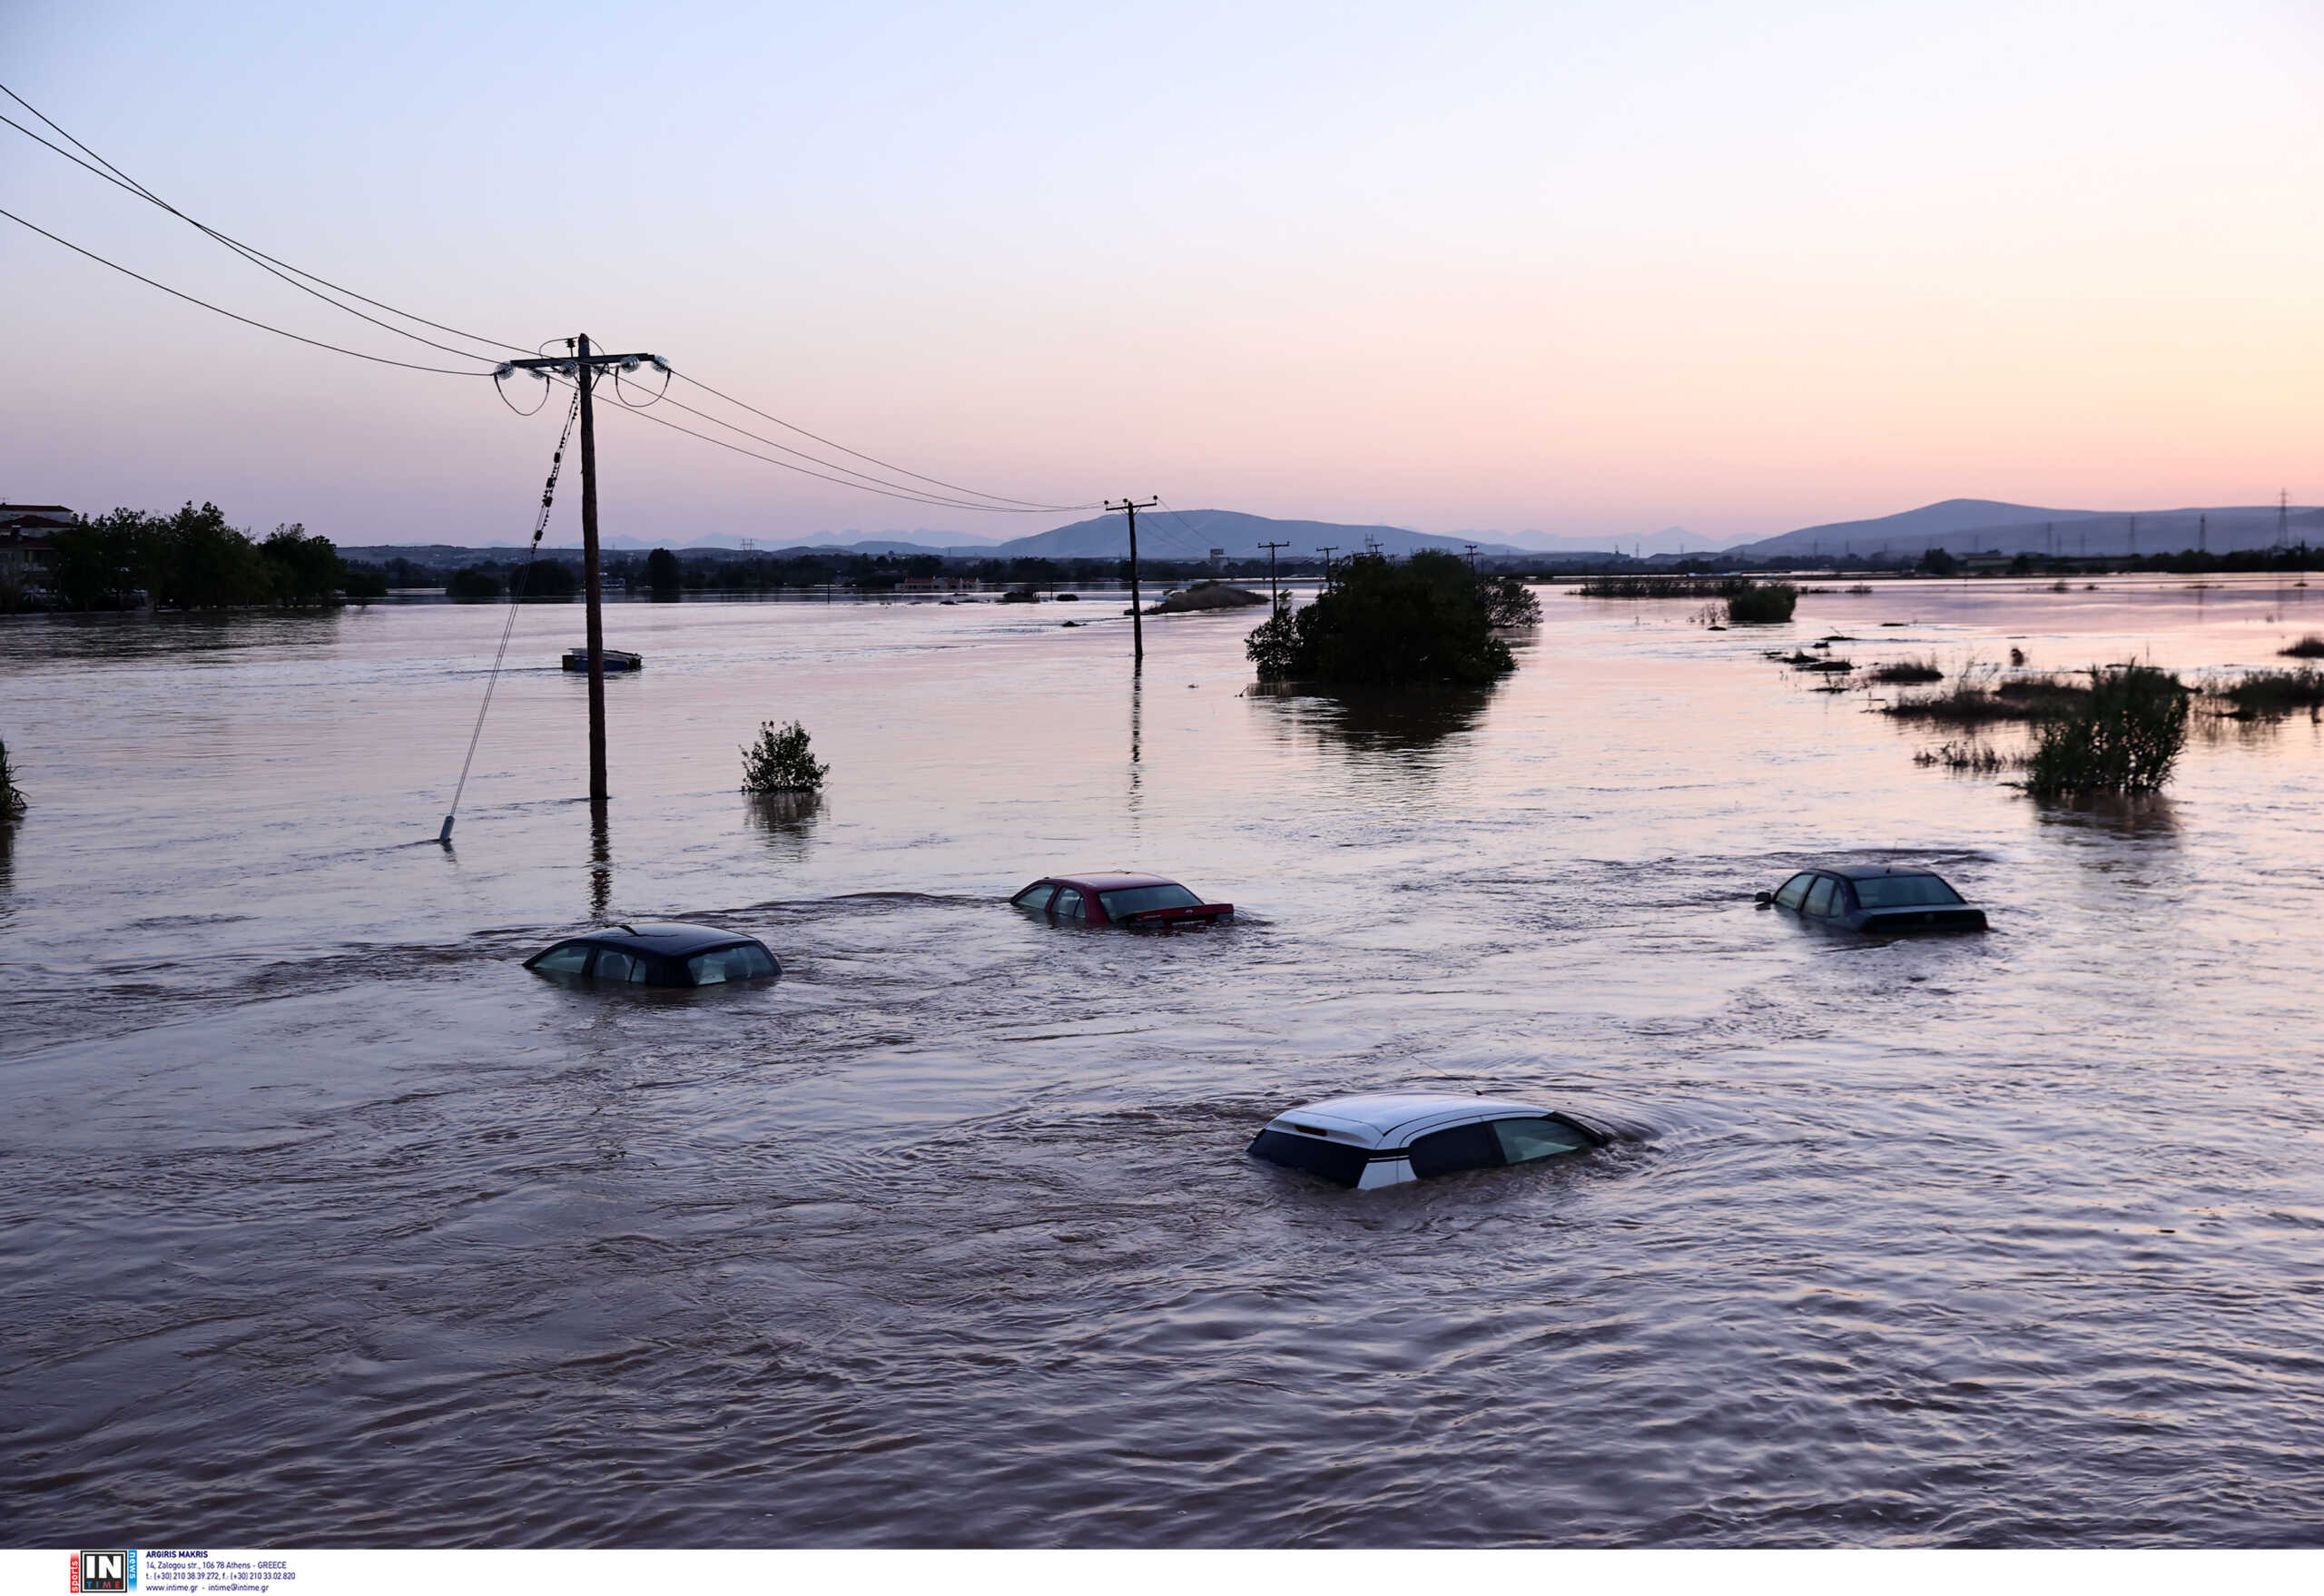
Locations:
{"points": [[1392, 1138]]}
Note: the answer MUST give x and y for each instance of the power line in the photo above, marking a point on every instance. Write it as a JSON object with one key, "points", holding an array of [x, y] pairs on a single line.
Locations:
{"points": [[231, 315], [644, 415], [99, 166], [1011, 506], [884, 464], [259, 257]]}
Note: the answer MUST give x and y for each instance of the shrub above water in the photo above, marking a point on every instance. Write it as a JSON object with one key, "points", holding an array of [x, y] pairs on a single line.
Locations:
{"points": [[11, 797], [2124, 737], [2308, 647], [1385, 624], [781, 762], [2263, 694], [1762, 603]]}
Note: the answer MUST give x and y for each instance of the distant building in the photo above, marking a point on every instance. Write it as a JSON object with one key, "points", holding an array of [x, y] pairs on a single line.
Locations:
{"points": [[937, 585], [28, 542]]}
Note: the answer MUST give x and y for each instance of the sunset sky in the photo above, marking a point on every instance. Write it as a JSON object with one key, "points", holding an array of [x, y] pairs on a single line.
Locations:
{"points": [[1587, 268]]}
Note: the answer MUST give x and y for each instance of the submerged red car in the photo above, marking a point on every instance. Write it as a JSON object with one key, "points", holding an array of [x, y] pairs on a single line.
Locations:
{"points": [[1152, 902]]}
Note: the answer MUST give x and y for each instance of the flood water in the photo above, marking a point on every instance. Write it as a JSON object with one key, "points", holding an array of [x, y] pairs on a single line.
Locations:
{"points": [[323, 1223]]}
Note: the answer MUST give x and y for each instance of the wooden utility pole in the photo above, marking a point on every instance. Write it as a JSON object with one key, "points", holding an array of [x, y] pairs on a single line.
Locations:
{"points": [[1130, 507], [1275, 600], [581, 368], [1327, 549]]}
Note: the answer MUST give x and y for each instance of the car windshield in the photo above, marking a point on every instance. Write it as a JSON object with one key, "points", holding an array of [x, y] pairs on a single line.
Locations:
{"points": [[1902, 892], [747, 962], [1130, 900]]}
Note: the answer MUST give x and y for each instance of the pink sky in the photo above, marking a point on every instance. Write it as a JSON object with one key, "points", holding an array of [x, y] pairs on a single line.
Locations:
{"points": [[1591, 269]]}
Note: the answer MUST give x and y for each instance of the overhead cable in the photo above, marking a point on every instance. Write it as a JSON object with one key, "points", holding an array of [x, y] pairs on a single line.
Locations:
{"points": [[827, 443], [644, 415], [1012, 507], [232, 315], [265, 262]]}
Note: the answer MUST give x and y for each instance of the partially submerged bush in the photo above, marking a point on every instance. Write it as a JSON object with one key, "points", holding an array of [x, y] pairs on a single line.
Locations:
{"points": [[2123, 738], [781, 762], [2274, 693], [1509, 602], [1660, 586], [1900, 672], [1385, 623], [1974, 758], [2308, 647], [11, 797], [1762, 603], [1974, 701], [472, 582]]}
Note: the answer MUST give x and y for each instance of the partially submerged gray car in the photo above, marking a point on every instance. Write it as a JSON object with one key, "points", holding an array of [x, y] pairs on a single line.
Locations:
{"points": [[1393, 1137]]}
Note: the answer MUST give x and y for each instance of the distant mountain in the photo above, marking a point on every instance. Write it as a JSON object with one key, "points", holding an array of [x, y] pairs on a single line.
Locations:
{"points": [[1973, 526], [1670, 540], [1191, 535], [919, 540]]}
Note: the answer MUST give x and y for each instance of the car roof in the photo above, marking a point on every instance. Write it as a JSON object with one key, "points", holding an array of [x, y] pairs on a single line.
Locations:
{"points": [[1857, 872], [1110, 880], [678, 940], [1392, 1119]]}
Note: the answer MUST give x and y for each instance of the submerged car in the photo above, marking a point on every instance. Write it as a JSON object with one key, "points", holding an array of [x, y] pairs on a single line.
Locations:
{"points": [[659, 956], [1390, 1139], [1875, 898], [1147, 902]]}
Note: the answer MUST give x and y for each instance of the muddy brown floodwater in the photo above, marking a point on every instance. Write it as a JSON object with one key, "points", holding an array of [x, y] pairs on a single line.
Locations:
{"points": [[323, 1223]]}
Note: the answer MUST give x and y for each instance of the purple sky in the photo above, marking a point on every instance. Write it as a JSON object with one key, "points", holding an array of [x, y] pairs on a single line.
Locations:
{"points": [[1591, 267]]}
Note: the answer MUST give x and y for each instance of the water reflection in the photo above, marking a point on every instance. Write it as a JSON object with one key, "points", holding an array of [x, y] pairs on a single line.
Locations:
{"points": [[1137, 721], [788, 819], [2146, 816], [601, 862], [1377, 722]]}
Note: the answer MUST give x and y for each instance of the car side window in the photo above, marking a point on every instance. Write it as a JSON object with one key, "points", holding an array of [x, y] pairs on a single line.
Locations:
{"points": [[1523, 1140], [1793, 890], [1035, 897], [569, 959], [720, 965], [1067, 905], [1447, 1152], [612, 964], [1819, 896]]}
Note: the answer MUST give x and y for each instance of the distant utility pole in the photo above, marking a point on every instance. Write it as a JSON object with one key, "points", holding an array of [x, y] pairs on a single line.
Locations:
{"points": [[1131, 507], [2203, 535], [2283, 517], [1472, 560], [1275, 600], [582, 368], [1327, 549]]}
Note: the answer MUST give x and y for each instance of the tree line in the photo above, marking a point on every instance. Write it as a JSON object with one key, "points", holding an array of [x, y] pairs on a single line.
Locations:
{"points": [[191, 560]]}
